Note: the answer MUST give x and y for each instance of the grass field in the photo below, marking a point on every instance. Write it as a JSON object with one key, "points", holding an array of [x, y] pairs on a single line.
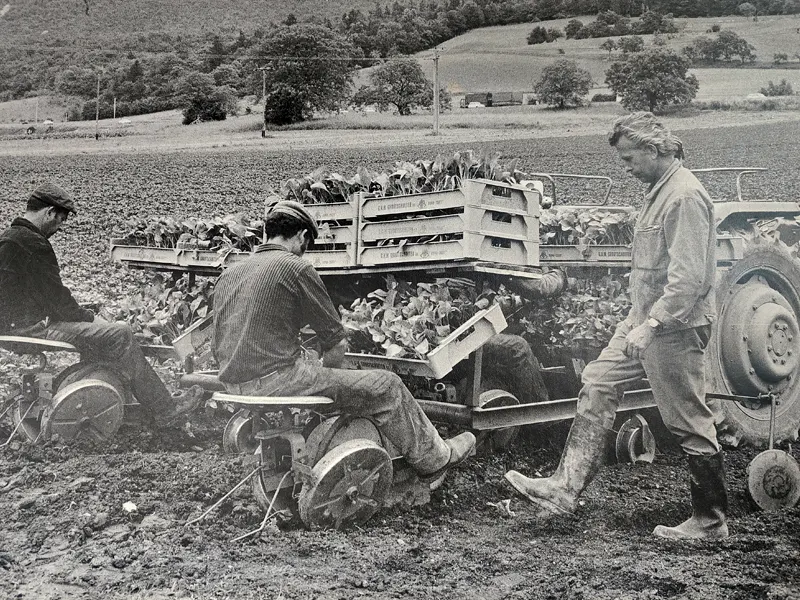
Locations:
{"points": [[499, 59]]}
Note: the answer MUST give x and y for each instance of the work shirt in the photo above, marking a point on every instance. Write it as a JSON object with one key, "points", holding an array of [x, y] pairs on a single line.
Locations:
{"points": [[260, 306], [674, 244], [30, 281]]}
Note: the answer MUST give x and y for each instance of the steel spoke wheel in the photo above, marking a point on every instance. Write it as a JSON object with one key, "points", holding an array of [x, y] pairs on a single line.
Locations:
{"points": [[88, 408], [347, 486], [339, 429]]}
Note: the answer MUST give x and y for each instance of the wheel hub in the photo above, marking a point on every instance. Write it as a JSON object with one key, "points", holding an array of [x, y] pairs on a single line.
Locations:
{"points": [[757, 334]]}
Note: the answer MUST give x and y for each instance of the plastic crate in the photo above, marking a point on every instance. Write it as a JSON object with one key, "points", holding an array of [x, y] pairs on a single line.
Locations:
{"points": [[473, 246], [176, 257], [473, 192], [335, 211], [481, 220], [209, 260], [462, 342]]}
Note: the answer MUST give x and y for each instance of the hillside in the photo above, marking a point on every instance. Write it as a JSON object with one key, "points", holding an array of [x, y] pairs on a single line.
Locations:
{"points": [[499, 59], [114, 20]]}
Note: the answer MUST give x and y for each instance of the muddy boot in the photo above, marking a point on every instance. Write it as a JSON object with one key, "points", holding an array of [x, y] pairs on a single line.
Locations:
{"points": [[184, 403], [709, 502], [461, 447], [582, 458]]}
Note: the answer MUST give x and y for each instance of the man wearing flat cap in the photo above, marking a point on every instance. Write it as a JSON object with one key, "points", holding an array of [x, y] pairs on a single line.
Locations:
{"points": [[260, 306], [35, 303]]}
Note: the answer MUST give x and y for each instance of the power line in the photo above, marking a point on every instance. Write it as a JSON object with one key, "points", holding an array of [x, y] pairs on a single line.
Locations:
{"points": [[195, 54]]}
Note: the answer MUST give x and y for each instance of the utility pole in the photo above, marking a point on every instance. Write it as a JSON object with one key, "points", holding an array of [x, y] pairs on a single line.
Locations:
{"points": [[36, 116], [435, 91], [97, 111], [115, 108], [264, 99]]}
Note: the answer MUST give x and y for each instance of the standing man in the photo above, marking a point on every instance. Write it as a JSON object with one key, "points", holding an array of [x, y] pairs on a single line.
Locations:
{"points": [[260, 306], [663, 338], [35, 303]]}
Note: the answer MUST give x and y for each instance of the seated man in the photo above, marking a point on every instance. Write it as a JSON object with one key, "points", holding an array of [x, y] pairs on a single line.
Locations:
{"points": [[35, 303], [260, 306]]}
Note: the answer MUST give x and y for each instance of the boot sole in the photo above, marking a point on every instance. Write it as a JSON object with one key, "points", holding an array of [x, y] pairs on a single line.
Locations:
{"points": [[548, 506], [670, 533]]}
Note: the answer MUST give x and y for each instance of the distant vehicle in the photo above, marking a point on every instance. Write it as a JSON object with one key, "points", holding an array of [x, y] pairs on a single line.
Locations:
{"points": [[756, 96], [124, 121], [476, 105], [47, 122]]}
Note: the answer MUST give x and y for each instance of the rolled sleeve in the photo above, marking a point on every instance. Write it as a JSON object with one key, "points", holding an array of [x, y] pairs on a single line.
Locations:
{"points": [[686, 230]]}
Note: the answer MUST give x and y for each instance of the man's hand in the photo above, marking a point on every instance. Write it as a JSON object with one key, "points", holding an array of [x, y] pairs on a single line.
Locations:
{"points": [[334, 357], [637, 340]]}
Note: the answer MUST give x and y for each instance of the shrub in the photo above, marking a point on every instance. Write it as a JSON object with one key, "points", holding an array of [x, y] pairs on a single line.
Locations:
{"points": [[540, 35], [784, 88], [604, 98]]}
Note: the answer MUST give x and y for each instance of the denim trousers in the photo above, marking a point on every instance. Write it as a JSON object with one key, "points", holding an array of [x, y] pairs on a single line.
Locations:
{"points": [[508, 363], [113, 344], [675, 367], [380, 395]]}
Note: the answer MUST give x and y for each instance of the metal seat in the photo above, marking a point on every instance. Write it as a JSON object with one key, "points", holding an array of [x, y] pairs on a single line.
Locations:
{"points": [[30, 345], [275, 401]]}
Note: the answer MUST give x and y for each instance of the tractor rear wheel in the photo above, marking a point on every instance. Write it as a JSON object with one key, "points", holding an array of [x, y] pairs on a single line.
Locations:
{"points": [[754, 346]]}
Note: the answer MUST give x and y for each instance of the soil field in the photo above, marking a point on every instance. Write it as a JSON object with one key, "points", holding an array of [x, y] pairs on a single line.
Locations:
{"points": [[64, 533]]}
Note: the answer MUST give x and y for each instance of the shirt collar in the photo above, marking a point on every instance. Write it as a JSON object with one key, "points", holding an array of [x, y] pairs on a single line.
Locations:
{"points": [[265, 247], [23, 222], [653, 191]]}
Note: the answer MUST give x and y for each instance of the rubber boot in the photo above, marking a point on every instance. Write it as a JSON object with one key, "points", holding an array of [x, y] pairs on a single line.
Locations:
{"points": [[581, 460], [709, 502]]}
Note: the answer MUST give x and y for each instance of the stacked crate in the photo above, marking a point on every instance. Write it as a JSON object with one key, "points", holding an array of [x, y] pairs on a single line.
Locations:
{"points": [[337, 244], [483, 220]]}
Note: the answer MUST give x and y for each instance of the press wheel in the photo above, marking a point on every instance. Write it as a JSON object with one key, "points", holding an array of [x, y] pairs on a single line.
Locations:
{"points": [[635, 442], [773, 478], [93, 370], [31, 425], [336, 430], [496, 440], [274, 467], [238, 435], [347, 486], [89, 407]]}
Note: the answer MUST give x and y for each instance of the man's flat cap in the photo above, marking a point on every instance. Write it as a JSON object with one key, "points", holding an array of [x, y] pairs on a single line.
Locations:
{"points": [[298, 211], [51, 194]]}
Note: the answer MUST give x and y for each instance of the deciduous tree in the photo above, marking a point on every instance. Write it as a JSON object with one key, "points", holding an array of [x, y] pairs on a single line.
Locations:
{"points": [[652, 80], [399, 83], [563, 84], [309, 68], [203, 100], [609, 46], [631, 44]]}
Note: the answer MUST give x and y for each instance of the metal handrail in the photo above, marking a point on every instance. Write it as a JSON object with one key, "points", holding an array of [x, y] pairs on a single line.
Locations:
{"points": [[551, 178], [740, 171]]}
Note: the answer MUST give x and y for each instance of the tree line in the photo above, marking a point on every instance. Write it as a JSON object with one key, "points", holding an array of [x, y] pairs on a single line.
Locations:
{"points": [[144, 73]]}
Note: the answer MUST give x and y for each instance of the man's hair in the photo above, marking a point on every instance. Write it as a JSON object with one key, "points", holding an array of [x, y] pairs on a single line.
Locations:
{"points": [[644, 129], [282, 224]]}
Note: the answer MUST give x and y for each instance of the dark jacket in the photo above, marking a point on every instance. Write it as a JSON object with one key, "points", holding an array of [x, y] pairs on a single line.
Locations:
{"points": [[30, 281]]}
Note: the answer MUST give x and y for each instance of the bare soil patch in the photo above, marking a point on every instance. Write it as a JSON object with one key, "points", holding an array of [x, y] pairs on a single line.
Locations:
{"points": [[64, 533]]}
